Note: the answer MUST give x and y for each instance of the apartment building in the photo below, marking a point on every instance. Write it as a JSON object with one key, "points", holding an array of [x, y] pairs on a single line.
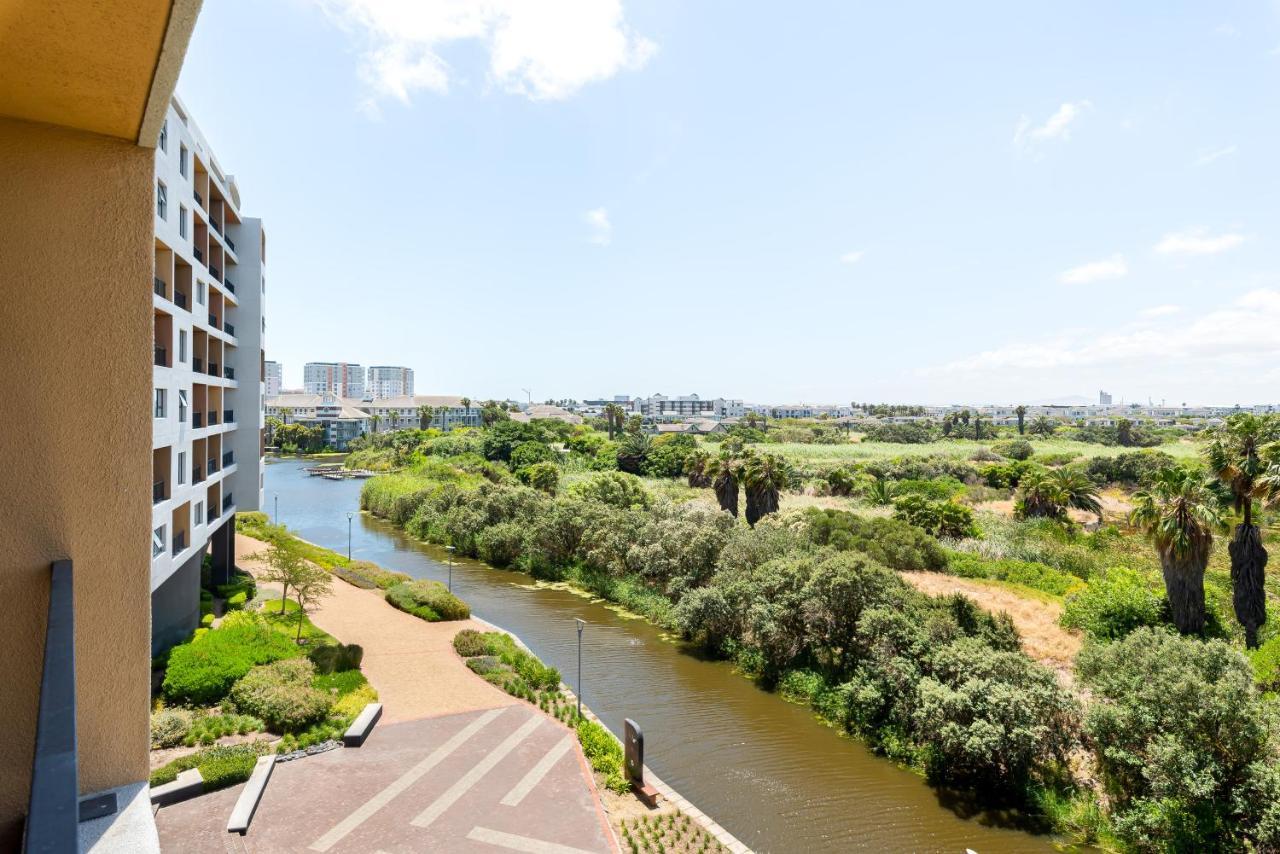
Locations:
{"points": [[345, 418], [272, 378], [660, 407], [386, 381], [342, 379], [208, 329]]}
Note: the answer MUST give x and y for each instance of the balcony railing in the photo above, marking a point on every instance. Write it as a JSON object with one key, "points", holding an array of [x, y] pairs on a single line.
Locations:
{"points": [[228, 458], [157, 492], [53, 805], [226, 503], [231, 244], [212, 465], [213, 417], [198, 363], [197, 419], [160, 286], [231, 286], [229, 372], [213, 369], [213, 320], [228, 328], [162, 357], [228, 416], [199, 198], [215, 272], [213, 222], [180, 299], [196, 474], [179, 542], [199, 254]]}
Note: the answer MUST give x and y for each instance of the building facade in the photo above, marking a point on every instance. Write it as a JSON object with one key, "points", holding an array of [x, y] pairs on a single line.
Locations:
{"points": [[207, 377], [386, 381], [341, 379], [272, 378], [362, 416], [660, 407]]}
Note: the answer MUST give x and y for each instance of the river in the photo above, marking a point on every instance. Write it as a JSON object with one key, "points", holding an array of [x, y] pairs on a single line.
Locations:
{"points": [[765, 769]]}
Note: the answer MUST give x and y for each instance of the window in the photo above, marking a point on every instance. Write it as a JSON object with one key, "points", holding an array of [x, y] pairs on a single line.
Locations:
{"points": [[162, 200], [200, 292], [182, 406], [199, 512], [157, 541], [160, 403], [182, 461], [182, 345], [182, 161], [163, 142], [182, 221]]}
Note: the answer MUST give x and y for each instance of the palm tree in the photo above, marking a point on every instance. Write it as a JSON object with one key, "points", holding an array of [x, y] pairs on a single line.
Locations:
{"points": [[1021, 412], [285, 412], [725, 472], [375, 419], [977, 427], [466, 409], [1043, 426], [1124, 432], [695, 468], [880, 492], [1179, 512], [1049, 494], [425, 414], [632, 452], [764, 476], [612, 419], [1238, 456]]}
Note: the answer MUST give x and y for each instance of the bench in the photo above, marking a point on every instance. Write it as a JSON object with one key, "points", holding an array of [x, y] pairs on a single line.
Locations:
{"points": [[362, 725], [188, 785], [247, 803]]}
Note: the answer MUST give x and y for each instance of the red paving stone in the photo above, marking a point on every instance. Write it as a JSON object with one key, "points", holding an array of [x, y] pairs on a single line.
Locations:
{"points": [[308, 798]]}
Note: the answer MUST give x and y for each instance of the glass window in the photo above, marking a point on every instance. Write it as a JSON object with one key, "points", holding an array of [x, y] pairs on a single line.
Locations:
{"points": [[182, 221], [200, 292], [162, 200], [163, 142], [182, 406], [182, 464], [160, 403], [157, 541], [182, 161], [199, 512], [182, 347]]}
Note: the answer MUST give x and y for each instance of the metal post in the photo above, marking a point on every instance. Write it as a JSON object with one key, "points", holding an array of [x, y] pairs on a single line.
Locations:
{"points": [[448, 561], [581, 624], [276, 520], [349, 515]]}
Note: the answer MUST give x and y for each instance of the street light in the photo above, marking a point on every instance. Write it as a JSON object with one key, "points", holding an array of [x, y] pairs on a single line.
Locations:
{"points": [[276, 520], [581, 625], [448, 561], [349, 515]]}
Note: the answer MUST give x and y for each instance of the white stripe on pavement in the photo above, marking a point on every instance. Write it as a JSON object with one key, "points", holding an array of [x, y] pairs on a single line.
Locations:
{"points": [[469, 779], [407, 779], [537, 772], [521, 843]]}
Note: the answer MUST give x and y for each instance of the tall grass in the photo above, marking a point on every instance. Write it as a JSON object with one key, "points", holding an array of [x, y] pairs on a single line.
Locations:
{"points": [[957, 448]]}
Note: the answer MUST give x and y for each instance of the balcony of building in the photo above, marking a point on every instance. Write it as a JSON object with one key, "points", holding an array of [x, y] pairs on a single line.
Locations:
{"points": [[215, 364], [213, 413], [180, 524], [182, 283], [200, 242], [199, 450], [161, 460], [162, 335], [199, 403], [217, 309], [200, 185], [213, 455], [163, 277], [213, 501]]}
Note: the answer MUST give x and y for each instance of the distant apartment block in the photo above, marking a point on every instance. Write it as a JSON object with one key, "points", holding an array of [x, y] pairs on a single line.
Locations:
{"points": [[386, 381], [208, 372], [1104, 398], [341, 379], [273, 378], [661, 407], [343, 419]]}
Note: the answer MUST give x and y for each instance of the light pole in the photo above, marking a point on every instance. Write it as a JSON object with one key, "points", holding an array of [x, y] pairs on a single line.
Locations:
{"points": [[581, 625], [276, 520], [448, 561], [349, 515]]}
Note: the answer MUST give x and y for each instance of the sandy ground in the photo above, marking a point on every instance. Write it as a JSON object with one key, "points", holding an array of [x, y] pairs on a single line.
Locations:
{"points": [[1037, 621], [410, 662], [1115, 508]]}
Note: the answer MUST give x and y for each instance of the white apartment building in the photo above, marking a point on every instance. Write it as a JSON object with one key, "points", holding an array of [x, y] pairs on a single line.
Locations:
{"points": [[661, 407], [386, 381], [341, 379], [272, 378], [207, 439]]}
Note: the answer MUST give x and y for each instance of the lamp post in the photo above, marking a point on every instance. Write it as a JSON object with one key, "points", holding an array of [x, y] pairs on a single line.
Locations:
{"points": [[581, 625], [349, 516], [276, 520], [448, 561]]}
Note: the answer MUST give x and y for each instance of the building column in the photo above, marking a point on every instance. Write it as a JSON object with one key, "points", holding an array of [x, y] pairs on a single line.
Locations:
{"points": [[223, 543]]}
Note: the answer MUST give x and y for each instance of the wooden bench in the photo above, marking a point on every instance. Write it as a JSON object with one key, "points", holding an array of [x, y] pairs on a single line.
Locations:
{"points": [[247, 803], [362, 725]]}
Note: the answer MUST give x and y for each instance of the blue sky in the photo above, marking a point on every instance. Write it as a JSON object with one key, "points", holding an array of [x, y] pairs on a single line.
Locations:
{"points": [[828, 202]]}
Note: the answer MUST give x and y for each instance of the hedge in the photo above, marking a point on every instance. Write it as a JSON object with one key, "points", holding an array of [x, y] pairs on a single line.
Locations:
{"points": [[203, 670], [429, 600]]}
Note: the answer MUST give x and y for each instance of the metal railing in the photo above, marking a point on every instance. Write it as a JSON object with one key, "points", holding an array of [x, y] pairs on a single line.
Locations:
{"points": [[196, 474], [213, 222], [229, 372], [180, 299], [212, 515], [213, 417], [215, 272], [231, 286], [197, 419], [162, 357], [179, 542], [160, 286], [199, 254], [198, 364], [228, 328], [157, 492], [213, 369], [53, 806], [212, 465], [228, 458], [228, 416], [226, 504], [213, 320], [231, 244], [199, 198]]}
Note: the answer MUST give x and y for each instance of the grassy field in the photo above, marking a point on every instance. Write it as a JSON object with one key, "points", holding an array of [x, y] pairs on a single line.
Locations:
{"points": [[959, 448]]}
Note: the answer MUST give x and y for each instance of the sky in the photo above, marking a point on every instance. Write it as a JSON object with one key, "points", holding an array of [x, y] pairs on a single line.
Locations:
{"points": [[782, 202]]}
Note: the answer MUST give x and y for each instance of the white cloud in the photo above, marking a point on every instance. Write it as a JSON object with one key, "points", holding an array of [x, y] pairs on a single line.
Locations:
{"points": [[1161, 310], [852, 257], [1197, 241], [1240, 336], [1096, 271], [1057, 126], [601, 228], [1209, 157], [1226, 29], [543, 49]]}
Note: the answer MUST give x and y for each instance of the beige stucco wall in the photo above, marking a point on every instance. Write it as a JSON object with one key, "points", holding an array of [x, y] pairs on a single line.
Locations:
{"points": [[76, 238]]}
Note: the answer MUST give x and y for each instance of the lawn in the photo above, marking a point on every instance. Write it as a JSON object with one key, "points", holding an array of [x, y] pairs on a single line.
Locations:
{"points": [[958, 448]]}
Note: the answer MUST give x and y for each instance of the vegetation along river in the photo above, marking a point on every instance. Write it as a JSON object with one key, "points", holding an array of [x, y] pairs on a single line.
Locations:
{"points": [[767, 770]]}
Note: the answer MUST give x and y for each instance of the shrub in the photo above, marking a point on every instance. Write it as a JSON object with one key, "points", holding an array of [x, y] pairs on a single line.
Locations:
{"points": [[469, 642], [429, 600], [206, 620], [208, 729], [364, 574], [169, 727], [1031, 574], [1114, 604], [936, 489], [501, 544], [351, 704], [483, 664], [281, 695], [1182, 742], [603, 752], [937, 518], [236, 601], [1133, 468], [544, 476], [220, 766], [910, 433], [1266, 665], [1015, 449], [203, 670], [330, 658], [892, 542], [616, 489]]}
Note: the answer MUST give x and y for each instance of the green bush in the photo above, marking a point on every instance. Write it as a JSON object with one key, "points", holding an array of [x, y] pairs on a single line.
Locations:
{"points": [[1114, 604], [210, 728], [329, 658], [531, 453], [169, 727], [1014, 449], [469, 642], [1037, 576], [203, 670], [362, 573], [281, 695], [604, 753], [616, 489], [1266, 665], [339, 682], [236, 601], [937, 518], [220, 766], [543, 476], [429, 600], [500, 545], [484, 664], [892, 542], [1183, 743], [206, 620]]}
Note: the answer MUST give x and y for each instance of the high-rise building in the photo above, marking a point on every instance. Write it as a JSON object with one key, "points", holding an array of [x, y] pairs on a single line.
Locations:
{"points": [[341, 379], [1104, 398], [209, 288], [272, 378], [386, 381]]}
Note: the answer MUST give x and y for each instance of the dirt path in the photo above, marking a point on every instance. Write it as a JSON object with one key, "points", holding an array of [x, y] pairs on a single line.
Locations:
{"points": [[1037, 621], [410, 662]]}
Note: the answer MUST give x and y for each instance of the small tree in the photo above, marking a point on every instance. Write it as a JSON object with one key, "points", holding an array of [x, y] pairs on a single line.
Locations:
{"points": [[309, 587], [284, 566], [425, 414], [1021, 412]]}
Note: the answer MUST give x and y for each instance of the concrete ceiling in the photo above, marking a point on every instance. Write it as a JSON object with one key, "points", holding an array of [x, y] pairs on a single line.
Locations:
{"points": [[104, 66]]}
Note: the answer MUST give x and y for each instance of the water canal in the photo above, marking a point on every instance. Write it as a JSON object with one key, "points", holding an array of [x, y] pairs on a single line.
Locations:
{"points": [[765, 769]]}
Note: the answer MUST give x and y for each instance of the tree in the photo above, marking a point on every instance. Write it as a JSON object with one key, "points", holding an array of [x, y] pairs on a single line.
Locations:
{"points": [[632, 451], [947, 423], [285, 412], [492, 413], [1124, 432], [1049, 494], [1179, 513], [284, 567], [725, 472], [375, 420], [764, 476], [1238, 457], [695, 468], [466, 408], [1042, 425], [613, 416], [425, 415], [977, 427], [309, 586], [1021, 412]]}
